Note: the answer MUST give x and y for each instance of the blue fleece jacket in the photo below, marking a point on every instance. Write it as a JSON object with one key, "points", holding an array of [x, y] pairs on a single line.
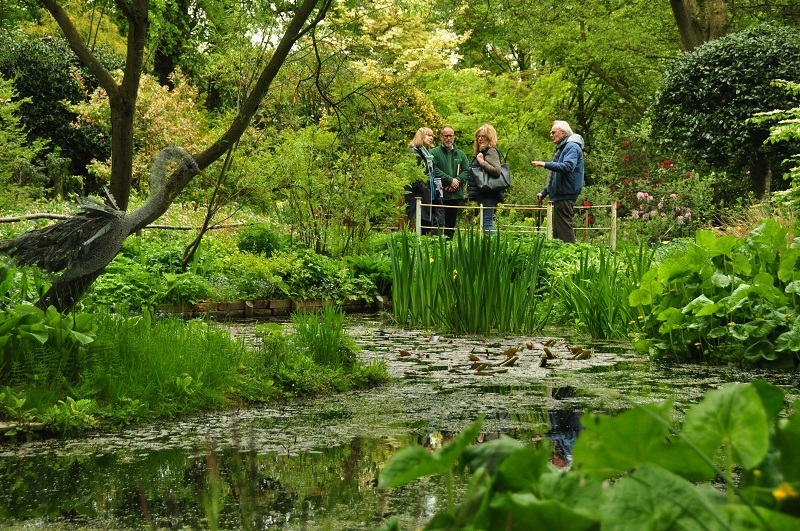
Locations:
{"points": [[565, 180]]}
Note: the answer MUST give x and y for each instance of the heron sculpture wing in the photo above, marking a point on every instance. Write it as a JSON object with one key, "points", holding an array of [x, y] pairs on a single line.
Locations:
{"points": [[63, 245]]}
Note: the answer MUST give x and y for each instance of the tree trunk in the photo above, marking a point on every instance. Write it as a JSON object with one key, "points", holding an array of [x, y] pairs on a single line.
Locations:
{"points": [[64, 293], [760, 177], [700, 21]]}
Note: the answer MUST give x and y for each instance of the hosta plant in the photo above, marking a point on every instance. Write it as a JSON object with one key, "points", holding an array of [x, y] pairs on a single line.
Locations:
{"points": [[723, 299]]}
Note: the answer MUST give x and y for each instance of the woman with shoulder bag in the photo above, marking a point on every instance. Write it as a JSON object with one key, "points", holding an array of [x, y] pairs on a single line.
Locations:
{"points": [[487, 158]]}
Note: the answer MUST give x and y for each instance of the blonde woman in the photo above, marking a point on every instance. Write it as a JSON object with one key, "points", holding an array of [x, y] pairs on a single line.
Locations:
{"points": [[487, 157], [430, 189]]}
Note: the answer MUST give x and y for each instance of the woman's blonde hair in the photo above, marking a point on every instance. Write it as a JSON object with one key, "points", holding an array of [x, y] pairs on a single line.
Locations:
{"points": [[490, 133], [419, 138]]}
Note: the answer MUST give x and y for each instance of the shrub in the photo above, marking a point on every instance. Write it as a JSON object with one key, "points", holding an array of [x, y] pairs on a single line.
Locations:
{"points": [[259, 239]]}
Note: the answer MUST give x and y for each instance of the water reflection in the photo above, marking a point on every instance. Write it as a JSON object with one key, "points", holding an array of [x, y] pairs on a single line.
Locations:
{"points": [[565, 426], [314, 464], [334, 488]]}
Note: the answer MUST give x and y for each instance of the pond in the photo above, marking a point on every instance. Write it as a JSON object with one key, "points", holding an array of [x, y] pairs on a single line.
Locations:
{"points": [[314, 463]]}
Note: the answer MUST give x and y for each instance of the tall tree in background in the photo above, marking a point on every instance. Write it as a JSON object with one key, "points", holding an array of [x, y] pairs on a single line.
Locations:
{"points": [[610, 54], [700, 21]]}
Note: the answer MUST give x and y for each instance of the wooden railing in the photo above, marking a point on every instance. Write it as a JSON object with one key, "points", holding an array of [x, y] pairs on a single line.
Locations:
{"points": [[542, 213]]}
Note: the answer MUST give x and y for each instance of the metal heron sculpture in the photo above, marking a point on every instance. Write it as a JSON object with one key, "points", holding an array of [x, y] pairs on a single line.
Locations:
{"points": [[81, 246]]}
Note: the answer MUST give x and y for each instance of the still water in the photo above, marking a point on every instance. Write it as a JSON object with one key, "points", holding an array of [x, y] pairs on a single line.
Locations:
{"points": [[314, 464]]}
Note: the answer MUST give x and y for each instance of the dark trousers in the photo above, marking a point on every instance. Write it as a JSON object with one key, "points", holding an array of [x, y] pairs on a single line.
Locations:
{"points": [[563, 212], [451, 216]]}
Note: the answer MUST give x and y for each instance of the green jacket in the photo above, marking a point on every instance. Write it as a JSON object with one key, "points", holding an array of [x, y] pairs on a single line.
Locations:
{"points": [[449, 165]]}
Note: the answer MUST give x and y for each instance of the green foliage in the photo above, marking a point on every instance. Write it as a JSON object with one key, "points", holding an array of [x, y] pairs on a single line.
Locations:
{"points": [[596, 294], [722, 299], [12, 409], [48, 73], [660, 472], [476, 284], [130, 283], [273, 345], [785, 127], [70, 416], [164, 116], [702, 110], [27, 333], [376, 267], [259, 239], [246, 276], [327, 194], [15, 147], [321, 336]]}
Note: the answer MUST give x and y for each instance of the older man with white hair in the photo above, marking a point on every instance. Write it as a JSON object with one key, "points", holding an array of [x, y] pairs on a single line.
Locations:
{"points": [[565, 180]]}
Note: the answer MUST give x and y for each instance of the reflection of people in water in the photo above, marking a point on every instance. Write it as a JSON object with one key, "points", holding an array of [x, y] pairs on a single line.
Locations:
{"points": [[434, 439], [565, 425], [564, 429]]}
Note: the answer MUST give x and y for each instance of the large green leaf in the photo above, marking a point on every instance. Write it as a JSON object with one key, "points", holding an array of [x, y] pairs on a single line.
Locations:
{"points": [[771, 398], [415, 461], [741, 264], [743, 517], [524, 512], [491, 453], [701, 305], [761, 349], [787, 436], [612, 445], [788, 269], [789, 340], [523, 468], [732, 415], [654, 498]]}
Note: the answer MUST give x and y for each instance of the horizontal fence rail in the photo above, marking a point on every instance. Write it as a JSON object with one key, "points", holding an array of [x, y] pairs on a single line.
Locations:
{"points": [[544, 215]]}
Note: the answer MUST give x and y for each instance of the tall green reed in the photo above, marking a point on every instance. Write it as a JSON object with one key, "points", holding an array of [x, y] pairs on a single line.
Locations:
{"points": [[321, 334], [477, 283], [596, 294]]}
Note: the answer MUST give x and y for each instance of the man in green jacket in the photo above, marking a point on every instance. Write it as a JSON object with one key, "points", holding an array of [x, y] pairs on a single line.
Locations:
{"points": [[452, 166]]}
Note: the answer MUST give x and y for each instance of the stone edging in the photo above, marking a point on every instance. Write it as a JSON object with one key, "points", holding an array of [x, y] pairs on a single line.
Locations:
{"points": [[267, 308]]}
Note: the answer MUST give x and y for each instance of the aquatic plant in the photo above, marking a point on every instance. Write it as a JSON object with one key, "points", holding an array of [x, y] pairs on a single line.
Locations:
{"points": [[596, 294], [322, 336], [71, 416], [661, 473], [723, 299], [476, 284]]}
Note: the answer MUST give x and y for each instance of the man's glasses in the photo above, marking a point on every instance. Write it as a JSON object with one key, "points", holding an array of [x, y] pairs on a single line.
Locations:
{"points": [[448, 136], [553, 132]]}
